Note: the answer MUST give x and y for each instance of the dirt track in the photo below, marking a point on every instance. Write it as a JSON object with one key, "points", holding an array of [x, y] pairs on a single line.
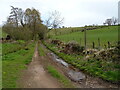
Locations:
{"points": [[36, 77]]}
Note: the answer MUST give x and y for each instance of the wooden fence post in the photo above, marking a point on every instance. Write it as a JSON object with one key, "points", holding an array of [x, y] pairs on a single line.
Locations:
{"points": [[93, 45], [99, 43], [85, 37], [108, 44], [80, 42]]}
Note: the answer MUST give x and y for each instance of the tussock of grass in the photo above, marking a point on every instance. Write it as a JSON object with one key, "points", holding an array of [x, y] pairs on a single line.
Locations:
{"points": [[41, 51], [60, 77]]}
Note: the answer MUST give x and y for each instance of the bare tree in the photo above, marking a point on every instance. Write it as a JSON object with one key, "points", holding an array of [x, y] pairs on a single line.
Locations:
{"points": [[16, 16], [104, 23], [21, 17], [108, 21], [114, 20], [13, 18], [48, 21], [57, 19], [54, 20]]}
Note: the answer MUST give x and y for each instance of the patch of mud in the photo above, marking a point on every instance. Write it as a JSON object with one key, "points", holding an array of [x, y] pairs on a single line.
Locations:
{"points": [[72, 74], [76, 76]]}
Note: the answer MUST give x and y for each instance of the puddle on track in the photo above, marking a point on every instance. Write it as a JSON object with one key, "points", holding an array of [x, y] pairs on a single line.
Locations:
{"points": [[72, 74]]}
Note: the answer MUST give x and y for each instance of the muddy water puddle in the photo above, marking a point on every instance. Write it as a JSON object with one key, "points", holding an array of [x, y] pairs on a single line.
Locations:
{"points": [[71, 73]]}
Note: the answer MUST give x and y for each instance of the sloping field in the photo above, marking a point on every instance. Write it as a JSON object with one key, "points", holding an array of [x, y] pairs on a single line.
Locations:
{"points": [[104, 34]]}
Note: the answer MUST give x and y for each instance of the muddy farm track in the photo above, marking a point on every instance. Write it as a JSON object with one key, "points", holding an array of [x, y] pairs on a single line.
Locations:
{"points": [[36, 76]]}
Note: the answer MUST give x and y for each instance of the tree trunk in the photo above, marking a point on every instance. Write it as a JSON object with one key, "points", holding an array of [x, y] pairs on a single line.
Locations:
{"points": [[93, 45]]}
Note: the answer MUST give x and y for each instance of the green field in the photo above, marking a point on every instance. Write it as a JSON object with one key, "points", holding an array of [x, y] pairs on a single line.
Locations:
{"points": [[14, 61], [105, 34], [106, 69], [61, 31]]}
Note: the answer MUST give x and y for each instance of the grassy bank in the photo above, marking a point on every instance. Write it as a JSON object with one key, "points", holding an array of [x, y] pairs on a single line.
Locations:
{"points": [[105, 69], [13, 63], [41, 50]]}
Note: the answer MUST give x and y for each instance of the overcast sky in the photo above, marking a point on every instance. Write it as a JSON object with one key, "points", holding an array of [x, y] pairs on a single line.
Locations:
{"points": [[75, 12]]}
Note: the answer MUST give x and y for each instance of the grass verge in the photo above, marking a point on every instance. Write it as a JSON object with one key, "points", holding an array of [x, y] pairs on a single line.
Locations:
{"points": [[14, 63], [12, 47], [66, 83], [41, 51]]}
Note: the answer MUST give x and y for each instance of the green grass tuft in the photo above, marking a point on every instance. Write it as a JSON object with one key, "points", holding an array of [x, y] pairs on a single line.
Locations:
{"points": [[60, 77], [41, 51]]}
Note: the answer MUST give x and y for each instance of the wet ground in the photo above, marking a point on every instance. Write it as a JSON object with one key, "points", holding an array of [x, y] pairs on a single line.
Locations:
{"points": [[80, 79], [36, 75]]}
